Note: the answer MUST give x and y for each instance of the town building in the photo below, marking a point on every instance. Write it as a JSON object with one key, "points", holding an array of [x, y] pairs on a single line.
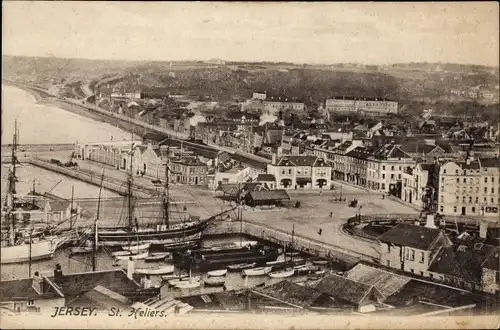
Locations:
{"points": [[363, 105], [189, 170], [469, 187], [412, 248], [418, 184], [300, 171]]}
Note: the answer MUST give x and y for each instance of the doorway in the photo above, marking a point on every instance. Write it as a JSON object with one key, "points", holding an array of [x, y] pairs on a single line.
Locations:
{"points": [[463, 210]]}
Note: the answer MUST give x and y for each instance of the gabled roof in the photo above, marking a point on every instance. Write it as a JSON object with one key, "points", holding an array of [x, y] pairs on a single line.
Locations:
{"points": [[23, 289], [345, 289], [302, 161], [418, 237], [460, 262], [490, 162], [291, 293]]}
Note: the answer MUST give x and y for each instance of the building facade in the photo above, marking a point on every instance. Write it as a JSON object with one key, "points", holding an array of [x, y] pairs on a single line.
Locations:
{"points": [[469, 187], [342, 104], [300, 172]]}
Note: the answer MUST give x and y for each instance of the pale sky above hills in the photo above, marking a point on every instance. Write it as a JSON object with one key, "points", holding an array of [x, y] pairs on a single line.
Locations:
{"points": [[371, 33]]}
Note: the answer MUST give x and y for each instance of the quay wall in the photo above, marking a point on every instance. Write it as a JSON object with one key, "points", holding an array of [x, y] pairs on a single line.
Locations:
{"points": [[280, 237], [39, 147], [89, 177]]}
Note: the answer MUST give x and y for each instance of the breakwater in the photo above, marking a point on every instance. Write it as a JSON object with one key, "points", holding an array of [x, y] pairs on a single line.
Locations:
{"points": [[281, 237], [89, 177]]}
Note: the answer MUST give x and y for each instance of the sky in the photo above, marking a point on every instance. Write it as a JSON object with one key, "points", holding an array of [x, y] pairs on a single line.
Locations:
{"points": [[299, 32]]}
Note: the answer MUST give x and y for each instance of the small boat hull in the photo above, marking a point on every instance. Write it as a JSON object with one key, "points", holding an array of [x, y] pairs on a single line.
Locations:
{"points": [[138, 256], [215, 273], [282, 273], [158, 257], [21, 253], [214, 281], [137, 248], [188, 284], [169, 269], [240, 266], [257, 271], [320, 262]]}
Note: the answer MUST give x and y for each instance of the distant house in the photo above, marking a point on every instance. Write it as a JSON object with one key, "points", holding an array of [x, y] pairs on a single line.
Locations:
{"points": [[59, 209], [411, 248], [268, 179], [360, 296]]}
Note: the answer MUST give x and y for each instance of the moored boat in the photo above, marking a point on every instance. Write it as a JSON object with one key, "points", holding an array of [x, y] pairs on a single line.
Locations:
{"points": [[41, 250], [183, 245], [282, 273], [138, 256], [188, 285], [168, 269], [319, 262], [219, 272], [257, 271], [135, 248], [158, 256], [215, 281], [242, 266]]}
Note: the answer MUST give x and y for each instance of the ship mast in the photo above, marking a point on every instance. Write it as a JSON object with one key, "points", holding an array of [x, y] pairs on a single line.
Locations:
{"points": [[166, 196], [95, 240], [12, 189]]}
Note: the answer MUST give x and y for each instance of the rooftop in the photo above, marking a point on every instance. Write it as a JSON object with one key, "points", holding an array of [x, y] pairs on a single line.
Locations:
{"points": [[292, 293], [343, 288], [302, 161], [418, 237]]}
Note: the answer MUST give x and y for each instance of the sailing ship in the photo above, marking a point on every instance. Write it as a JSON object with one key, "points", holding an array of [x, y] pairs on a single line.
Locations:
{"points": [[162, 235], [19, 245]]}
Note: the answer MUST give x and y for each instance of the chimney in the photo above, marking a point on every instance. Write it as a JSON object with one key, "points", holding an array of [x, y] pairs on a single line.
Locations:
{"points": [[430, 221], [483, 229], [58, 274], [273, 159], [37, 283], [130, 268]]}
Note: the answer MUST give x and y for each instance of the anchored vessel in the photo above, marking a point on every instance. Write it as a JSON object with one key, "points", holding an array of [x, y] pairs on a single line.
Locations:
{"points": [[20, 243], [163, 235]]}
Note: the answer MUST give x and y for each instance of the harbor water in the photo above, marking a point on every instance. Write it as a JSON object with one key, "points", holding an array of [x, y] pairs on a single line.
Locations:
{"points": [[40, 123]]}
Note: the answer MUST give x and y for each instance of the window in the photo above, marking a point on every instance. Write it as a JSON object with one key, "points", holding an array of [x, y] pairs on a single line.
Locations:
{"points": [[422, 256], [290, 171], [421, 273], [456, 172], [485, 190], [383, 168], [477, 199], [492, 190], [442, 199], [407, 254], [383, 176], [454, 209], [392, 176], [457, 198], [444, 171], [383, 186], [465, 180], [31, 302], [412, 255], [399, 176], [441, 209], [492, 200], [485, 179], [458, 180]]}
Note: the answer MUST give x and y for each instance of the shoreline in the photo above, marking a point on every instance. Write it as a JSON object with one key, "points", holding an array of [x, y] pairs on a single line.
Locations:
{"points": [[73, 108]]}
